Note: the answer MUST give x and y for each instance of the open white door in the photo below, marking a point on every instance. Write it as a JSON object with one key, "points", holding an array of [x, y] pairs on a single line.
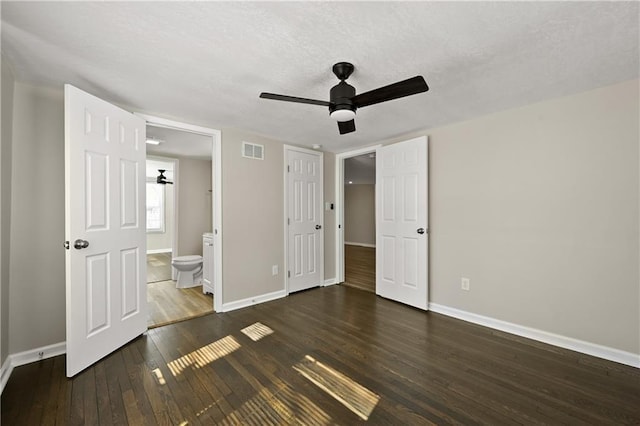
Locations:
{"points": [[105, 228], [402, 233], [304, 224]]}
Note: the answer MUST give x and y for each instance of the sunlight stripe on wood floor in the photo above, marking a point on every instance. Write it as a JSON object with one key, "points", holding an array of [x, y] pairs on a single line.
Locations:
{"points": [[352, 395], [256, 331], [205, 355]]}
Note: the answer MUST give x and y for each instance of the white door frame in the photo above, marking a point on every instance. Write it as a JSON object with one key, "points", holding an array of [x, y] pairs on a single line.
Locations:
{"points": [[286, 149], [216, 176], [340, 204]]}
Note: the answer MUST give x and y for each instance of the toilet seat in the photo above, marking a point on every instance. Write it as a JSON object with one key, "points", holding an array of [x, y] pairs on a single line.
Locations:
{"points": [[185, 260]]}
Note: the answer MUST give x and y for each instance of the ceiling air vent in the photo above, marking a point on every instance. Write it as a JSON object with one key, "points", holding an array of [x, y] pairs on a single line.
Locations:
{"points": [[253, 150]]}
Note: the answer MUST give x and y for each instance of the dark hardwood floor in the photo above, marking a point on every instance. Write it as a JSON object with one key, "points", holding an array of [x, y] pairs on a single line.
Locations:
{"points": [[360, 267], [292, 361]]}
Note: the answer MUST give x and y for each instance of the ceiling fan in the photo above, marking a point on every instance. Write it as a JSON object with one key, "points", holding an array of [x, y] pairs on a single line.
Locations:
{"points": [[162, 179], [343, 100]]}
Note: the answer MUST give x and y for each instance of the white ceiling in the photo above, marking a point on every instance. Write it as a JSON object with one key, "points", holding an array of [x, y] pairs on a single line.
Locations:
{"points": [[207, 62], [178, 143]]}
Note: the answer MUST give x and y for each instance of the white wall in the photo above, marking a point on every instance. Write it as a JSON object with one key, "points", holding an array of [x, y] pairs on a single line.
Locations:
{"points": [[5, 203], [194, 204], [360, 214], [539, 207], [37, 265]]}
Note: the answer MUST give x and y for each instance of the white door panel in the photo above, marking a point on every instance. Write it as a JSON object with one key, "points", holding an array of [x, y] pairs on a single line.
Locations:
{"points": [[402, 236], [304, 228], [104, 193]]}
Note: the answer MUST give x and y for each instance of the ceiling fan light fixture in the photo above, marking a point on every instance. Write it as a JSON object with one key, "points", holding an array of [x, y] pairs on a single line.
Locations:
{"points": [[343, 115]]}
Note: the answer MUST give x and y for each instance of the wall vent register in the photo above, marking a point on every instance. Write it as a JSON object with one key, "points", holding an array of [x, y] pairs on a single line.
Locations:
{"points": [[253, 150]]}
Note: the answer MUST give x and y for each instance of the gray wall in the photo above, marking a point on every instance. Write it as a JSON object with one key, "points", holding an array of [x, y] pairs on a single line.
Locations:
{"points": [[539, 207], [37, 271], [194, 204], [252, 216], [360, 214], [5, 204]]}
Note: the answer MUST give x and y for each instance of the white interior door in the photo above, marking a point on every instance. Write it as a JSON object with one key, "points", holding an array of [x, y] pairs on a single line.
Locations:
{"points": [[402, 233], [105, 227], [304, 224]]}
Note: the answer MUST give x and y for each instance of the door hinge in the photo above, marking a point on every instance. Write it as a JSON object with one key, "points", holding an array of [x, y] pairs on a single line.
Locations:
{"points": [[288, 169], [288, 221], [288, 274]]}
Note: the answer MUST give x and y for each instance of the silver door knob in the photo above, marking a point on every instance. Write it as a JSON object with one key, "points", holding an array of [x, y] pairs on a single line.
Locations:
{"points": [[80, 244], [420, 231], [318, 226]]}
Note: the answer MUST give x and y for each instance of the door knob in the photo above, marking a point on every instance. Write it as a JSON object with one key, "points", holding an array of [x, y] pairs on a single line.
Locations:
{"points": [[80, 244], [318, 226], [420, 231]]}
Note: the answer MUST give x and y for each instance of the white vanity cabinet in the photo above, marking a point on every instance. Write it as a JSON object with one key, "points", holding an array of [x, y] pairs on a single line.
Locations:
{"points": [[207, 263]]}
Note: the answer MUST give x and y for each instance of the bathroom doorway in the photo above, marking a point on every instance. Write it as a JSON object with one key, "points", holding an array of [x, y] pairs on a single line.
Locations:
{"points": [[179, 210]]}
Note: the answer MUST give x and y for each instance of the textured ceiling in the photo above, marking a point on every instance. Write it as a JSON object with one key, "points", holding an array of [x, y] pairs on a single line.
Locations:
{"points": [[207, 62]]}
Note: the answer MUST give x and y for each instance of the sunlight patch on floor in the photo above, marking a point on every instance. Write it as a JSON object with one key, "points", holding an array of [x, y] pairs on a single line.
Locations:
{"points": [[282, 407], [257, 331], [349, 393], [205, 355], [159, 377]]}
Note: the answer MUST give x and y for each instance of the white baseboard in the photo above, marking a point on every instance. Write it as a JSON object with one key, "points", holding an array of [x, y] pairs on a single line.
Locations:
{"points": [[330, 281], [605, 352], [238, 304], [5, 372], [27, 357], [350, 243], [156, 251]]}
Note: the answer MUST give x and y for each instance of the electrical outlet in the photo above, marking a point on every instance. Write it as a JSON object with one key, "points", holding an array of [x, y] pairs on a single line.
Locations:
{"points": [[465, 283], [274, 270]]}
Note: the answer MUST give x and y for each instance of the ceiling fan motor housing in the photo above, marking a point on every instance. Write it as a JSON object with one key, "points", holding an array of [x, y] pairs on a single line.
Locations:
{"points": [[340, 96]]}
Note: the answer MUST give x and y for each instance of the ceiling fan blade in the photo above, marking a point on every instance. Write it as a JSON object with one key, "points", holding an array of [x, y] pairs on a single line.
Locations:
{"points": [[275, 97], [397, 90], [346, 126]]}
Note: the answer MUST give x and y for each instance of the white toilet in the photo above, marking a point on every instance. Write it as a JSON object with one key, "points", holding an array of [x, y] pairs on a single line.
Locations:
{"points": [[189, 270]]}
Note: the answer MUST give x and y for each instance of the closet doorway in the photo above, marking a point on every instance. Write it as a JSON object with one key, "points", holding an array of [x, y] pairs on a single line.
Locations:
{"points": [[357, 213]]}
